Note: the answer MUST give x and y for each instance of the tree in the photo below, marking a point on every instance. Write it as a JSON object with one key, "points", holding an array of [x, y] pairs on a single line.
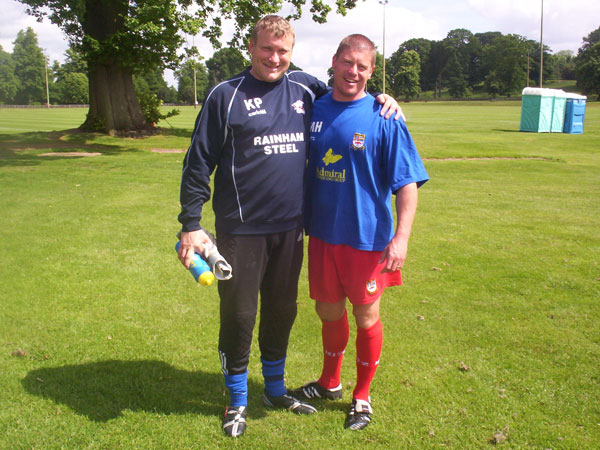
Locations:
{"points": [[74, 61], [488, 37], [8, 81], [70, 84], [534, 53], [588, 70], [438, 58], [505, 61], [423, 48], [120, 37], [405, 78], [224, 64], [588, 64], [73, 88], [457, 83], [492, 84], [565, 64], [30, 66], [375, 83], [154, 82], [185, 81], [465, 60]]}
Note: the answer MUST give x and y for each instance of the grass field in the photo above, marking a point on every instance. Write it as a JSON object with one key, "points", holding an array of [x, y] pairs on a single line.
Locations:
{"points": [[493, 341]]}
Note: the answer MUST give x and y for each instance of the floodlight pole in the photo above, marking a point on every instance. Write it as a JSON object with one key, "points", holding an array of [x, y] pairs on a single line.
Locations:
{"points": [[542, 45], [47, 90], [195, 85], [528, 66], [383, 2]]}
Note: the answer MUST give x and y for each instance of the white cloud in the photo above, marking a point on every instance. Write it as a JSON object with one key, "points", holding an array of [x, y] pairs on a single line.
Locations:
{"points": [[565, 23], [14, 18]]}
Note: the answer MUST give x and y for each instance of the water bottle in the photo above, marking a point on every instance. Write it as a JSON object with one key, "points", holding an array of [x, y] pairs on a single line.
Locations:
{"points": [[199, 269]]}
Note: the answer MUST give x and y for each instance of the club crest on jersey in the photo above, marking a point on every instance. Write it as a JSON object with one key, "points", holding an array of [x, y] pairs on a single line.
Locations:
{"points": [[298, 106], [372, 287], [358, 141]]}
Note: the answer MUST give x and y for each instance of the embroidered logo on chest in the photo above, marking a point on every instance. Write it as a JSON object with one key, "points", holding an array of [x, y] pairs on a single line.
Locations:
{"points": [[358, 141], [298, 106]]}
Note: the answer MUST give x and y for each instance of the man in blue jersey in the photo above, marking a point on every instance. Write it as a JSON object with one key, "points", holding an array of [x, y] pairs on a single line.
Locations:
{"points": [[356, 162], [253, 132]]}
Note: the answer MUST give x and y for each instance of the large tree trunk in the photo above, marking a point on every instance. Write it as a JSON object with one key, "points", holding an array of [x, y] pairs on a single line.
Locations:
{"points": [[113, 103]]}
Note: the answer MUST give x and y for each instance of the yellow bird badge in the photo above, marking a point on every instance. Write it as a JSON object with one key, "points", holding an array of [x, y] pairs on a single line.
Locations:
{"points": [[330, 158]]}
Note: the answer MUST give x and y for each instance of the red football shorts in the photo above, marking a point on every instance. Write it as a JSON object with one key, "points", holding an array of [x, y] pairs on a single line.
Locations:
{"points": [[336, 272]]}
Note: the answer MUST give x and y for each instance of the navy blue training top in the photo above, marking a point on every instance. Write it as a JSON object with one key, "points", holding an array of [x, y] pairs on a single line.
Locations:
{"points": [[256, 135]]}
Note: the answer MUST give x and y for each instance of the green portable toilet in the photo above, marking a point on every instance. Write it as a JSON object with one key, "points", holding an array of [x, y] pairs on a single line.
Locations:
{"points": [[537, 106], [558, 111], [574, 114]]}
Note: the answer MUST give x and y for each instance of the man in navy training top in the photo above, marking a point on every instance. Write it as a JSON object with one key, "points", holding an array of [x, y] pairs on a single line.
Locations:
{"points": [[356, 161], [253, 129]]}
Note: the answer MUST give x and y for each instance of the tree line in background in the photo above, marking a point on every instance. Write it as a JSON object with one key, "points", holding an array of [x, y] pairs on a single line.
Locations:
{"points": [[23, 76], [492, 64], [463, 64]]}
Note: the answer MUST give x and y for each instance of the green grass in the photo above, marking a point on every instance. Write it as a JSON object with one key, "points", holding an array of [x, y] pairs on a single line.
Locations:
{"points": [[105, 341]]}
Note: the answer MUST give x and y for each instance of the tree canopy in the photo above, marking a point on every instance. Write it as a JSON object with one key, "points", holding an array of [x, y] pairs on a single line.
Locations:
{"points": [[588, 64], [224, 64], [29, 68], [462, 63], [8, 81], [122, 37]]}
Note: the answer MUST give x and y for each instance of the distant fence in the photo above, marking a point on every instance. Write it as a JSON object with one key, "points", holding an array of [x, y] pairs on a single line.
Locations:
{"points": [[44, 106], [81, 106]]}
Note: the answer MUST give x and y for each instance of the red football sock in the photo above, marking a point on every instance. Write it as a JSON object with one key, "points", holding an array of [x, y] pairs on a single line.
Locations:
{"points": [[369, 342], [335, 338]]}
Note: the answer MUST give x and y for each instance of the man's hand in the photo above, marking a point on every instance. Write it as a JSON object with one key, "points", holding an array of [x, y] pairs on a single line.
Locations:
{"points": [[191, 242], [390, 106], [394, 254]]}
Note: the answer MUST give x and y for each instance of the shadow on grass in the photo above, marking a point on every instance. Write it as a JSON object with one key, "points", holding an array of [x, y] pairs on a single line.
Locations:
{"points": [[507, 131], [176, 132], [102, 390], [21, 149]]}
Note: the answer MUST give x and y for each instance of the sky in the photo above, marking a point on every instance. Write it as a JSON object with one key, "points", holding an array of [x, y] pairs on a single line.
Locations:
{"points": [[564, 26]]}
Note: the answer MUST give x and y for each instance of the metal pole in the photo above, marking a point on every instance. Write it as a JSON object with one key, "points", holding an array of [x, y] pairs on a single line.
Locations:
{"points": [[195, 93], [542, 45], [527, 67], [194, 62], [383, 2], [47, 90]]}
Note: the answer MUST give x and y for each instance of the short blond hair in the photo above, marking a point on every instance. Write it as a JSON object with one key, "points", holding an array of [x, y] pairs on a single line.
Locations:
{"points": [[275, 25], [357, 42]]}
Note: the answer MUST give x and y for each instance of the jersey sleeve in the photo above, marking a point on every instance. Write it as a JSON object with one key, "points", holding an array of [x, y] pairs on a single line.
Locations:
{"points": [[320, 89], [200, 161], [404, 164], [317, 87]]}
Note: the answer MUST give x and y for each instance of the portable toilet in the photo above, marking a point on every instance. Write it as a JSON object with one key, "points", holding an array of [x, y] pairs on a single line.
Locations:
{"points": [[574, 113], [537, 107], [558, 111]]}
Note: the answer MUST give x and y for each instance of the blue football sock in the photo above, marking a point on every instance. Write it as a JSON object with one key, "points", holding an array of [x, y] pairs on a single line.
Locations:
{"points": [[238, 389], [273, 375]]}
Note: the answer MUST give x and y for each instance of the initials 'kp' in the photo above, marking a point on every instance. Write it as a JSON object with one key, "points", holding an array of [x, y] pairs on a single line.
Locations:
{"points": [[253, 103]]}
